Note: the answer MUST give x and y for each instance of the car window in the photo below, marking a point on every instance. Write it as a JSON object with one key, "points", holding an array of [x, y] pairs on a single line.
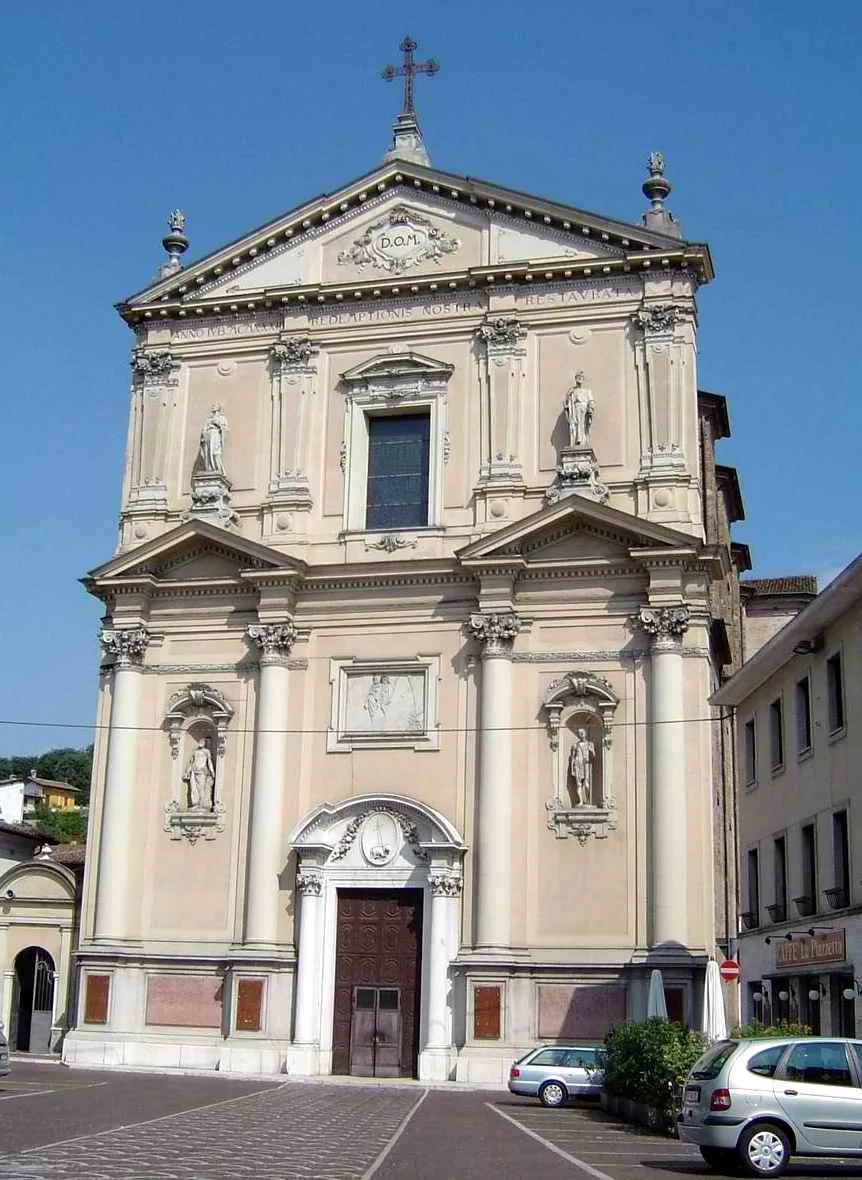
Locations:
{"points": [[822, 1063], [550, 1057], [709, 1065], [765, 1061], [583, 1058]]}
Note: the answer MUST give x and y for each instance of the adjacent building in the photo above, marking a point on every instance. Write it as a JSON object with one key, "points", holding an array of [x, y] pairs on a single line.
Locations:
{"points": [[798, 708], [424, 579]]}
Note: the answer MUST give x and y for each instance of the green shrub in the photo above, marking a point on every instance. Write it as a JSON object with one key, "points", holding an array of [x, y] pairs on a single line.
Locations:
{"points": [[647, 1062], [781, 1028]]}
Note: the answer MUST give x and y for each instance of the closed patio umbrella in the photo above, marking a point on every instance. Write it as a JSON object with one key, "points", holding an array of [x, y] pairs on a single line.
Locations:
{"points": [[714, 1019], [655, 1000]]}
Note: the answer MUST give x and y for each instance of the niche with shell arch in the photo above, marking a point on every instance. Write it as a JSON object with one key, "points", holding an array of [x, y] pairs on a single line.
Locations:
{"points": [[579, 709], [196, 724]]}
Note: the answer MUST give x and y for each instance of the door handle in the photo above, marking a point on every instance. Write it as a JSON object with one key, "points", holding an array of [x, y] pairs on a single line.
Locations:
{"points": [[791, 1091]]}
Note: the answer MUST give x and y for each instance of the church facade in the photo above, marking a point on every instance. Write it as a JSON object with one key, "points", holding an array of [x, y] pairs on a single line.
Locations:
{"points": [[404, 755]]}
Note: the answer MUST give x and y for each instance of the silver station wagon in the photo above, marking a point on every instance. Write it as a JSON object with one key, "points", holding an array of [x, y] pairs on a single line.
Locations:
{"points": [[752, 1104], [555, 1074]]}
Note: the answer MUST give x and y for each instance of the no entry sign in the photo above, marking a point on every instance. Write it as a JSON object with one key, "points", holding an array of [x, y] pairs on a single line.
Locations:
{"points": [[729, 970]]}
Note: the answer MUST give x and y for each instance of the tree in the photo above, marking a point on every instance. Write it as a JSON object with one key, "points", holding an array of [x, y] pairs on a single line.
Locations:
{"points": [[59, 825], [64, 765]]}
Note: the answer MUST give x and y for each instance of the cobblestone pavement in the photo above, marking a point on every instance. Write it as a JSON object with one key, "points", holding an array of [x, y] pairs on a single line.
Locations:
{"points": [[324, 1132]]}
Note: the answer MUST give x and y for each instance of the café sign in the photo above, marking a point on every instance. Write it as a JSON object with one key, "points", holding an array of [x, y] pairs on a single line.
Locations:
{"points": [[811, 949], [398, 241]]}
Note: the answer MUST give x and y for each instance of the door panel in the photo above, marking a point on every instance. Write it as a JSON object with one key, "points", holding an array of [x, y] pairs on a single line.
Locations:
{"points": [[817, 1090], [379, 938]]}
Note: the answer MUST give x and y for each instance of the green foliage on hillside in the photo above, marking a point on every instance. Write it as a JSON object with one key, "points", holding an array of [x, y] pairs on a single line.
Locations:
{"points": [[63, 765]]}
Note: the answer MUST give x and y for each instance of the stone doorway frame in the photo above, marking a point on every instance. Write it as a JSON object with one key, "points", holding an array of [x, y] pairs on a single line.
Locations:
{"points": [[331, 854]]}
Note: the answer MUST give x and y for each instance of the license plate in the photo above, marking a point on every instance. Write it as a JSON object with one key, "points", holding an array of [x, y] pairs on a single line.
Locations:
{"points": [[692, 1095]]}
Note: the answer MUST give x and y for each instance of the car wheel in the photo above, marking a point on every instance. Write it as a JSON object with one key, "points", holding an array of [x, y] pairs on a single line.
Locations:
{"points": [[722, 1159], [764, 1150], [552, 1094]]}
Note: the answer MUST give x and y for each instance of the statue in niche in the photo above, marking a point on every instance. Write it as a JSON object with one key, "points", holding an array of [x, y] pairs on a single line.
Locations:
{"points": [[581, 765], [580, 407], [211, 452], [199, 777]]}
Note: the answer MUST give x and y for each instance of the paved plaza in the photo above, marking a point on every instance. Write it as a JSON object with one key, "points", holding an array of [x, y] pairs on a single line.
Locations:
{"points": [[56, 1123]]}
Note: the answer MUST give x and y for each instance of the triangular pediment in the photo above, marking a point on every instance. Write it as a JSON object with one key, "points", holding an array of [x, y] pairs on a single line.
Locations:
{"points": [[196, 551], [400, 220], [571, 531], [397, 366]]}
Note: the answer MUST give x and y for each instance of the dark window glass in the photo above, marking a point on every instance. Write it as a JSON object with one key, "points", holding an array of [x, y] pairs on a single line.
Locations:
{"points": [[780, 853], [809, 861], [750, 752], [765, 1062], [550, 1057], [841, 855], [821, 1063], [388, 999], [397, 494], [776, 734], [803, 716], [581, 1059], [754, 884], [709, 1066], [835, 688], [365, 997]]}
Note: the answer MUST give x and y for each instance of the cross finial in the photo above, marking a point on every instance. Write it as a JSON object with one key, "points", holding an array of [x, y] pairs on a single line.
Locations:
{"points": [[408, 71]]}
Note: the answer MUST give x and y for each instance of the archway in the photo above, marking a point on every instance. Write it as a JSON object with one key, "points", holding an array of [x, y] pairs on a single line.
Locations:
{"points": [[33, 1001]]}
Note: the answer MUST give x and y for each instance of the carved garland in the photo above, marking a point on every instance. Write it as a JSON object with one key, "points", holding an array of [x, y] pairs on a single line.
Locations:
{"points": [[411, 834]]}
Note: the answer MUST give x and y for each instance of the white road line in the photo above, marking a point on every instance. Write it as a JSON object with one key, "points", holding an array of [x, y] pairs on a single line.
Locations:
{"points": [[585, 1167], [11, 1097], [402, 1127], [146, 1122]]}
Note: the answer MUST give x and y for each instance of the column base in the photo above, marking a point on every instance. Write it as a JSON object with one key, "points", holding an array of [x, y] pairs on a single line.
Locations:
{"points": [[306, 1061], [437, 1065]]}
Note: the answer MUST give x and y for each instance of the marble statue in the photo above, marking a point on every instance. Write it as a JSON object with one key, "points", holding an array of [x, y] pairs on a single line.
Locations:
{"points": [[211, 454], [580, 406], [200, 777], [583, 756]]}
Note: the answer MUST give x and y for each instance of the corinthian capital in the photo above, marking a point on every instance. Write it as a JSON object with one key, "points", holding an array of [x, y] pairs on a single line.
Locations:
{"points": [[496, 631], [665, 625], [658, 317], [504, 332], [126, 646], [274, 640], [445, 885], [293, 351], [156, 364], [309, 884]]}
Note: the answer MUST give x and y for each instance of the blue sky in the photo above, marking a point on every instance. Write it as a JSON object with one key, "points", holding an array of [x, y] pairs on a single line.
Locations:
{"points": [[114, 114]]}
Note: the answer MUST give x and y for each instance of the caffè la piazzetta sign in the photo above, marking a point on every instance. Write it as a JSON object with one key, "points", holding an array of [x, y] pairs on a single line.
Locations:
{"points": [[398, 241]]}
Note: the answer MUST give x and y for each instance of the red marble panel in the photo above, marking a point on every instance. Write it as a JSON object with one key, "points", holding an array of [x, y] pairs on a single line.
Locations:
{"points": [[187, 1001], [571, 1012]]}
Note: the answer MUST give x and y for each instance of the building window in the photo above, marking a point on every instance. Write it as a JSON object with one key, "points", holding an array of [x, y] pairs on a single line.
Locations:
{"points": [[839, 894], [749, 752], [803, 716], [776, 734], [754, 886], [395, 442], [809, 861], [778, 911], [397, 484], [835, 692]]}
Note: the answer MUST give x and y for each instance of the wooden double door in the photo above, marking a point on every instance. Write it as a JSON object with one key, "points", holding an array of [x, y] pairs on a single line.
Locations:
{"points": [[377, 975]]}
